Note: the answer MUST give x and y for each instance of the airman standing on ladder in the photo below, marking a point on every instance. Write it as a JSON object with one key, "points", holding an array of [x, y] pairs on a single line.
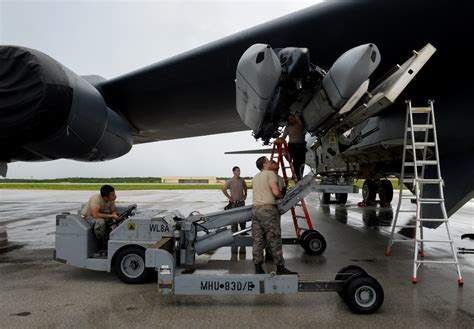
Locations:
{"points": [[296, 142]]}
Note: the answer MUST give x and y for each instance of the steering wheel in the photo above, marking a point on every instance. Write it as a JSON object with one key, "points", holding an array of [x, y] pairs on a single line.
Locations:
{"points": [[127, 213]]}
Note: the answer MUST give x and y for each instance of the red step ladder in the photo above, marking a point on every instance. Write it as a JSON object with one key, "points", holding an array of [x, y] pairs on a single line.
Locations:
{"points": [[280, 153]]}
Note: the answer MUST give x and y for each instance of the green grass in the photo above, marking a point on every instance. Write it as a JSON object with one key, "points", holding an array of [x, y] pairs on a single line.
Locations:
{"points": [[88, 180], [125, 186], [119, 187]]}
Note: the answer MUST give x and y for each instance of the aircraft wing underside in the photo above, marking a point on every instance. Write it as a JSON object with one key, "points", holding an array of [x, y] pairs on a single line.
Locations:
{"points": [[193, 93]]}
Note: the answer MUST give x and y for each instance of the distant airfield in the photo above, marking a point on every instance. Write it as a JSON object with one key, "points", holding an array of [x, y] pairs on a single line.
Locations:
{"points": [[126, 183]]}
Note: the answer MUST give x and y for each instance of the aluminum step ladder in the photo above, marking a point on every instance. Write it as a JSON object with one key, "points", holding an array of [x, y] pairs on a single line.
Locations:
{"points": [[421, 140], [281, 154]]}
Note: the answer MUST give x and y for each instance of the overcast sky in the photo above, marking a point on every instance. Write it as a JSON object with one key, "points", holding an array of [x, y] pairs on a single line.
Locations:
{"points": [[111, 38]]}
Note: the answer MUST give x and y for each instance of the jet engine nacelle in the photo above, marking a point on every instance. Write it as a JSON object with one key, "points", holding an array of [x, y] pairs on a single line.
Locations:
{"points": [[49, 112]]}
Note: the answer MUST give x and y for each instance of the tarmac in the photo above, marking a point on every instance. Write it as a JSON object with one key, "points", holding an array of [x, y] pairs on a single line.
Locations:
{"points": [[37, 291]]}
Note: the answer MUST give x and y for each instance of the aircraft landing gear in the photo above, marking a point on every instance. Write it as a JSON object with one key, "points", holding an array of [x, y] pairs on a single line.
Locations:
{"points": [[385, 192], [370, 189]]}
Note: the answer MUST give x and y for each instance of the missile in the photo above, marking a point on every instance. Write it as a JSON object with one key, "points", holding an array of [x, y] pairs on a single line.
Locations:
{"points": [[270, 84]]}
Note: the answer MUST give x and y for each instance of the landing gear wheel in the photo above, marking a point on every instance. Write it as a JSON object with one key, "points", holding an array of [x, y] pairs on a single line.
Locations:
{"points": [[363, 294], [347, 271], [385, 192], [369, 191], [313, 242], [130, 265], [341, 198], [325, 198]]}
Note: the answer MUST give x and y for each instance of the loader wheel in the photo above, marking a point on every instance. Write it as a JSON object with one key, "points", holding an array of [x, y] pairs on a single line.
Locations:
{"points": [[369, 191], [130, 265], [325, 198], [341, 198], [346, 272], [313, 242], [363, 294]]}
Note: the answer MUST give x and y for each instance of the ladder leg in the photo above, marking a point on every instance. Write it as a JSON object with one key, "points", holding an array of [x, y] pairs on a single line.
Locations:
{"points": [[415, 257], [422, 251], [388, 251], [306, 214], [295, 222], [455, 256]]}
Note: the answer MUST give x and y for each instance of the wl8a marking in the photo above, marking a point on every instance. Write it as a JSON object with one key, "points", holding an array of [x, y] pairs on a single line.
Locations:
{"points": [[159, 228], [227, 285]]}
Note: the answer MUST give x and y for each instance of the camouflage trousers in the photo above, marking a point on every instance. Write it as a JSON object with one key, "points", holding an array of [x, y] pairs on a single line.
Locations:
{"points": [[266, 232], [99, 226]]}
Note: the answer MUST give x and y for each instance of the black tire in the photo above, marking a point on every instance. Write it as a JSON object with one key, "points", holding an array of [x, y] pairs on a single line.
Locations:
{"points": [[346, 272], [313, 243], [325, 198], [369, 191], [304, 234], [363, 294], [386, 191], [130, 267], [341, 198]]}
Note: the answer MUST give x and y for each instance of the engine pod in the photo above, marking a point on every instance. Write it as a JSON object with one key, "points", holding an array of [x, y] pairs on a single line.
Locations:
{"points": [[49, 112], [257, 76]]}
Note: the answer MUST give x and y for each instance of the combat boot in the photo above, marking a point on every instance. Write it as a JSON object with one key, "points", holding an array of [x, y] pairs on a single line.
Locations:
{"points": [[282, 270], [259, 269]]}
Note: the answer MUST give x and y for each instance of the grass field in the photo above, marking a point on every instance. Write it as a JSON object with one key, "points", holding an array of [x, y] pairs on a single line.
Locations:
{"points": [[120, 187], [65, 186]]}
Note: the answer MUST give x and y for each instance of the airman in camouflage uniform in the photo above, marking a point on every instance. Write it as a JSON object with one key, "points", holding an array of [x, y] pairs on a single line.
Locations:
{"points": [[100, 213], [266, 229]]}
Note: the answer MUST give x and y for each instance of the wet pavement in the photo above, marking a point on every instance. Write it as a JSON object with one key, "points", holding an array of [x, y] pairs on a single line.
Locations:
{"points": [[37, 291]]}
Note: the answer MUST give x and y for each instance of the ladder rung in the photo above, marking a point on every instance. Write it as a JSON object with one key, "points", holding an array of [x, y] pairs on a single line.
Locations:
{"points": [[297, 216], [420, 145], [429, 180], [407, 210], [421, 163], [432, 220], [430, 200], [417, 110], [436, 241], [420, 127], [427, 162], [425, 144], [406, 226], [410, 197], [437, 261]]}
